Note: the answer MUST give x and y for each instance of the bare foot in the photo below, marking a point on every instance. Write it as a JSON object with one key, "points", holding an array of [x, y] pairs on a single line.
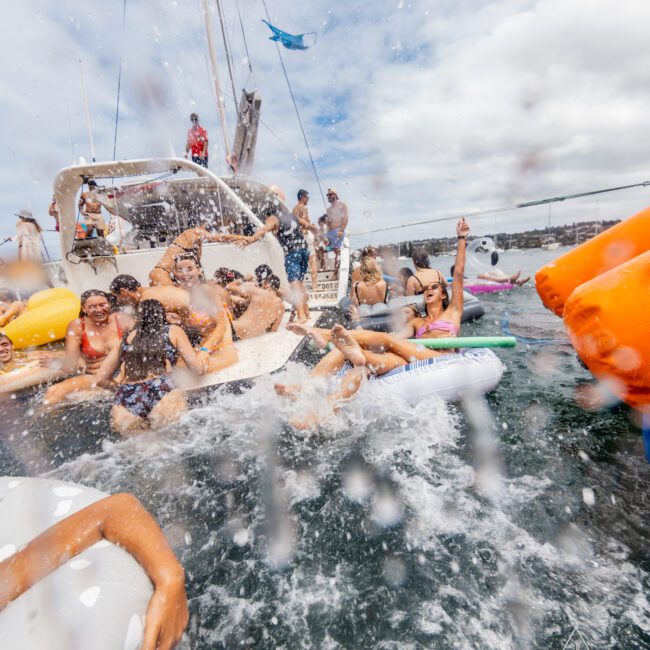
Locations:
{"points": [[515, 277], [347, 345], [320, 341], [286, 390], [522, 281]]}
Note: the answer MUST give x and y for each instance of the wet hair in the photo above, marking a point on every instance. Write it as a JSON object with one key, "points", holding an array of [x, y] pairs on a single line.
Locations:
{"points": [[322, 219], [181, 258], [271, 211], [302, 193], [7, 295], [420, 258], [223, 276], [415, 310], [145, 354], [369, 270], [452, 269], [262, 272], [127, 282], [272, 282], [404, 274], [6, 338], [369, 251], [91, 293]]}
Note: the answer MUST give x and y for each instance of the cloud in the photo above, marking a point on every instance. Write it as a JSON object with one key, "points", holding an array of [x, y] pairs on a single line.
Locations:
{"points": [[412, 109]]}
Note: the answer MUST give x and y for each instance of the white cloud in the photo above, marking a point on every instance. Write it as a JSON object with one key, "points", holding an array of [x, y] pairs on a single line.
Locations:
{"points": [[413, 109]]}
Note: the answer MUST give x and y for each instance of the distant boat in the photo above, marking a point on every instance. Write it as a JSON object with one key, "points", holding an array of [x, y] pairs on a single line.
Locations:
{"points": [[550, 245]]}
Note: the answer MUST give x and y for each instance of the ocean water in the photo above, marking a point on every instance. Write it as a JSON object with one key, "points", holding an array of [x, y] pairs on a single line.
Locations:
{"points": [[518, 521]]}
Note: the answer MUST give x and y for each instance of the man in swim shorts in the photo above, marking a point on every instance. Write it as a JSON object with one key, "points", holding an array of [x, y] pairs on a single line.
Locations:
{"points": [[337, 222]]}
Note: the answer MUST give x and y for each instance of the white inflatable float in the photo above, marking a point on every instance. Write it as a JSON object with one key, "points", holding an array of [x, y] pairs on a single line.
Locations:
{"points": [[449, 376], [96, 600]]}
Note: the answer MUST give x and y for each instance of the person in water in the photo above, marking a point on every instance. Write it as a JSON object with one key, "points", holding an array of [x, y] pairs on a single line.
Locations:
{"points": [[122, 520], [377, 352], [371, 288], [147, 396], [88, 341], [287, 227], [198, 307], [424, 275], [189, 241]]}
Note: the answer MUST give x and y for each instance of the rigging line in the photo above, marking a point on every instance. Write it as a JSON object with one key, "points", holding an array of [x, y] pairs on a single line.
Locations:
{"points": [[178, 58], [119, 83], [227, 49], [293, 99], [506, 208], [243, 33]]}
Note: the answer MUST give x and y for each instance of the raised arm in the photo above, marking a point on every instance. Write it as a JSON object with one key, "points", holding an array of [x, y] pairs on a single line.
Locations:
{"points": [[462, 230], [120, 519]]}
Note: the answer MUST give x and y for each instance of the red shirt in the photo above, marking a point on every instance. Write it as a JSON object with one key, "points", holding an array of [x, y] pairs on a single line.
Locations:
{"points": [[197, 141]]}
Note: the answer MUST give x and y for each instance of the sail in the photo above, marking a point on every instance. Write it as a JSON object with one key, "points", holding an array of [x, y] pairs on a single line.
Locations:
{"points": [[248, 118]]}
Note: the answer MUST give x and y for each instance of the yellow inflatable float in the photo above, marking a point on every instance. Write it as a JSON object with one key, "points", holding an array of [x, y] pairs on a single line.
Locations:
{"points": [[46, 319], [601, 289]]}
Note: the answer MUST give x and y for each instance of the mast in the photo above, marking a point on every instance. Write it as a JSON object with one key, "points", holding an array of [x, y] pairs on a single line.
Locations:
{"points": [[215, 78], [85, 100]]}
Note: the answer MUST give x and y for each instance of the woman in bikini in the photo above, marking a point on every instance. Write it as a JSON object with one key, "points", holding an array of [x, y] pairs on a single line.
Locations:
{"points": [[377, 352], [189, 241], [202, 310], [147, 397], [88, 341], [424, 275], [371, 288]]}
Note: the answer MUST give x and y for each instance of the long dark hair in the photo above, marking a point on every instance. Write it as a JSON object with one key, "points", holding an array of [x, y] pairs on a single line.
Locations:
{"points": [[420, 258], [89, 294], [32, 220], [145, 355]]}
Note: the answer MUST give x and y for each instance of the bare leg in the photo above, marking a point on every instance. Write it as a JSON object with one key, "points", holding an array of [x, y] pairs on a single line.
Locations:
{"points": [[521, 281], [60, 391], [168, 410], [125, 422], [327, 366], [320, 336], [313, 265]]}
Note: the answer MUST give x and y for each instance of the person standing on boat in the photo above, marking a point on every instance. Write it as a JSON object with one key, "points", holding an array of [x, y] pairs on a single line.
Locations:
{"points": [[28, 237], [337, 222], [287, 227], [91, 210], [197, 142], [53, 211], [302, 214]]}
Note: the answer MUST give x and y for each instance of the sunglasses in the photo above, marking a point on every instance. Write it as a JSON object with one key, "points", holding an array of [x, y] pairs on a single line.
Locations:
{"points": [[433, 285]]}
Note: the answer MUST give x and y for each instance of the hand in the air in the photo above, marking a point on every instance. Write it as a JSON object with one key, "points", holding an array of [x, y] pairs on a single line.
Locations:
{"points": [[462, 227]]}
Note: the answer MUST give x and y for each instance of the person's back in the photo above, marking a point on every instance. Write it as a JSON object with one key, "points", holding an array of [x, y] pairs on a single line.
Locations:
{"points": [[424, 275], [371, 289]]}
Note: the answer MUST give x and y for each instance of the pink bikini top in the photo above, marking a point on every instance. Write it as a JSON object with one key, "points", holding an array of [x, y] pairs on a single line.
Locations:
{"points": [[438, 326]]}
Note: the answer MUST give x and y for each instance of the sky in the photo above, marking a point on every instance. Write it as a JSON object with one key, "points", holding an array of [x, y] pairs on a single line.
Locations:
{"points": [[413, 110]]}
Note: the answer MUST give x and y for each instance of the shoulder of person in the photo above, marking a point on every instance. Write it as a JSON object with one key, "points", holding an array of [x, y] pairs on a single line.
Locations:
{"points": [[75, 326]]}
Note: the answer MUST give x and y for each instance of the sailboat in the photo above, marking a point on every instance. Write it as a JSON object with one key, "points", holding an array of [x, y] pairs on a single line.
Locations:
{"points": [[153, 200]]}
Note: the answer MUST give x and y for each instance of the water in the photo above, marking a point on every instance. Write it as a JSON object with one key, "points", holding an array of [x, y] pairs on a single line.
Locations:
{"points": [[504, 524]]}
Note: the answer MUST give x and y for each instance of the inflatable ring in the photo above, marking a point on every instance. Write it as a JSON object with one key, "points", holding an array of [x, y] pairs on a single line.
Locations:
{"points": [[96, 600], [448, 376], [485, 286], [46, 319]]}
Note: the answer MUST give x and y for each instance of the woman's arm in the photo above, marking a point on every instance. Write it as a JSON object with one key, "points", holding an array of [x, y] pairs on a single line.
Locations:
{"points": [[72, 348], [195, 362], [411, 288], [16, 308], [103, 376], [462, 230], [120, 519]]}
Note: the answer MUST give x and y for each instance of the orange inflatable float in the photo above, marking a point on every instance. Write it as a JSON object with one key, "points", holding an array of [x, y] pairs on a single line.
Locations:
{"points": [[602, 291], [608, 321], [556, 281]]}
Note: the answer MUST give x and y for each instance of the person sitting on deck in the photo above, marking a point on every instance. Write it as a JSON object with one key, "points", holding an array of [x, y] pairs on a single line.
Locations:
{"points": [[189, 241], [147, 396], [88, 340], [378, 353]]}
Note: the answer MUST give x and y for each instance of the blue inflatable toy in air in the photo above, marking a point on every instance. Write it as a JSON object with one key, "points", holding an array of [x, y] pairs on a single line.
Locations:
{"points": [[290, 41]]}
